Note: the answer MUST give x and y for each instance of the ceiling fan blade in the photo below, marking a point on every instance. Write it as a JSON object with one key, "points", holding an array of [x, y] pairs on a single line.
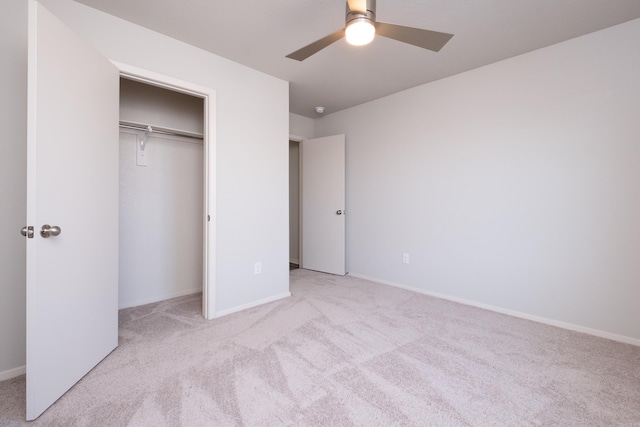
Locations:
{"points": [[316, 46], [426, 39], [358, 6]]}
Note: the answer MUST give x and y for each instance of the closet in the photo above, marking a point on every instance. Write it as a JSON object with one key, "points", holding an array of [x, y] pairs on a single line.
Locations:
{"points": [[161, 194]]}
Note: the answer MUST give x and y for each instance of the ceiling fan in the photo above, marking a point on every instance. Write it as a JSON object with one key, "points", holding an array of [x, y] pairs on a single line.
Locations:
{"points": [[361, 27]]}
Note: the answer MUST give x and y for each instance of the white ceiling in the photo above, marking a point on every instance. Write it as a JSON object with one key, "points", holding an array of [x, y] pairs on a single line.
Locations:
{"points": [[259, 34]]}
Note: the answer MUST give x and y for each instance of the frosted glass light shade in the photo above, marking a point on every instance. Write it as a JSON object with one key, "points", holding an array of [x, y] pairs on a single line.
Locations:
{"points": [[360, 32]]}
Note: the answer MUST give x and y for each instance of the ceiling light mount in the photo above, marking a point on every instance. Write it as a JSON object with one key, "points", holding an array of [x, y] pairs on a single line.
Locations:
{"points": [[360, 24], [319, 110]]}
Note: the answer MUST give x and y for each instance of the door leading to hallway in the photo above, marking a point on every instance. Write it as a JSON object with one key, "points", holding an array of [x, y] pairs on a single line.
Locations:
{"points": [[294, 204], [72, 186], [323, 204]]}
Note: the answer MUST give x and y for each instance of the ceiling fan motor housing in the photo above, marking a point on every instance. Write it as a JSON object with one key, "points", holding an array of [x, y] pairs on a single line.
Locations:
{"points": [[370, 14]]}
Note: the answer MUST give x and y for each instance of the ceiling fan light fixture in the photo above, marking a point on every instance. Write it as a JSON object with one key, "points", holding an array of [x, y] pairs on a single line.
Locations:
{"points": [[360, 31], [361, 27]]}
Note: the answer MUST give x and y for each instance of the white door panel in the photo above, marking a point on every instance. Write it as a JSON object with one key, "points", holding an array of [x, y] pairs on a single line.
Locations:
{"points": [[72, 182], [323, 204]]}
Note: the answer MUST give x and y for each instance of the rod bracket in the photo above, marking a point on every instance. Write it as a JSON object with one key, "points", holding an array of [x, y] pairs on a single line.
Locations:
{"points": [[145, 135]]}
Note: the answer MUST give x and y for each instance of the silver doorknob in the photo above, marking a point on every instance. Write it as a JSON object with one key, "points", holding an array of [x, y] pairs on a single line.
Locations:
{"points": [[339, 212], [50, 230]]}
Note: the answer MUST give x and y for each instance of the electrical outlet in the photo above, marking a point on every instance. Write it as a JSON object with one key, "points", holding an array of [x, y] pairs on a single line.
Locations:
{"points": [[405, 258], [257, 268]]}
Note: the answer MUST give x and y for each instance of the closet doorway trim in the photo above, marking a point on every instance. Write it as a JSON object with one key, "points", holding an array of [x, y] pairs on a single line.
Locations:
{"points": [[209, 141]]}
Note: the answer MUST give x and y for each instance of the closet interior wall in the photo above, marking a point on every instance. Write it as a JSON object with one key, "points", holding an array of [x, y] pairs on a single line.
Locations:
{"points": [[161, 203]]}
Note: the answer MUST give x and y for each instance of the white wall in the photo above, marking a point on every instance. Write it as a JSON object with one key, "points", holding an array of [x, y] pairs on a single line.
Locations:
{"points": [[251, 169], [161, 204], [252, 148], [516, 185], [13, 122], [300, 126]]}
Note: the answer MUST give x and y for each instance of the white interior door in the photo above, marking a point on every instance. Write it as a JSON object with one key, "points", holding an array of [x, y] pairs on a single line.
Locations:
{"points": [[72, 183], [323, 204]]}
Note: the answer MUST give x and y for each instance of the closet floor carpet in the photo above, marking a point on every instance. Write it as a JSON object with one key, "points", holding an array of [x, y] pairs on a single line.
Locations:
{"points": [[345, 351]]}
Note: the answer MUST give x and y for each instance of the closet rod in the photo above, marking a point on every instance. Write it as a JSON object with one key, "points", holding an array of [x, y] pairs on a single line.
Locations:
{"points": [[160, 130]]}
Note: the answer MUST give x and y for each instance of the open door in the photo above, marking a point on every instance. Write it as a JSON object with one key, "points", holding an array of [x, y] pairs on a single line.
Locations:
{"points": [[323, 204], [72, 186]]}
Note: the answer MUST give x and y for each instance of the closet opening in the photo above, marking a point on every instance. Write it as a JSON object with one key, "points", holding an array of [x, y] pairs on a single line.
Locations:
{"points": [[163, 194], [294, 205]]}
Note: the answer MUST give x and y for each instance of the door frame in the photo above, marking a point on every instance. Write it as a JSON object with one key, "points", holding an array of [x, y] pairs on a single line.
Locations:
{"points": [[209, 142], [298, 139]]}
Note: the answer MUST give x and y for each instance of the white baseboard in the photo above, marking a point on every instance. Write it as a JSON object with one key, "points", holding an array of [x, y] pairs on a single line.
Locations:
{"points": [[159, 297], [252, 304], [294, 261], [12, 373], [539, 319]]}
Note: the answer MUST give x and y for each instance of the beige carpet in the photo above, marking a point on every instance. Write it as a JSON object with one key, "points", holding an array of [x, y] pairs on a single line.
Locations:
{"points": [[344, 351]]}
